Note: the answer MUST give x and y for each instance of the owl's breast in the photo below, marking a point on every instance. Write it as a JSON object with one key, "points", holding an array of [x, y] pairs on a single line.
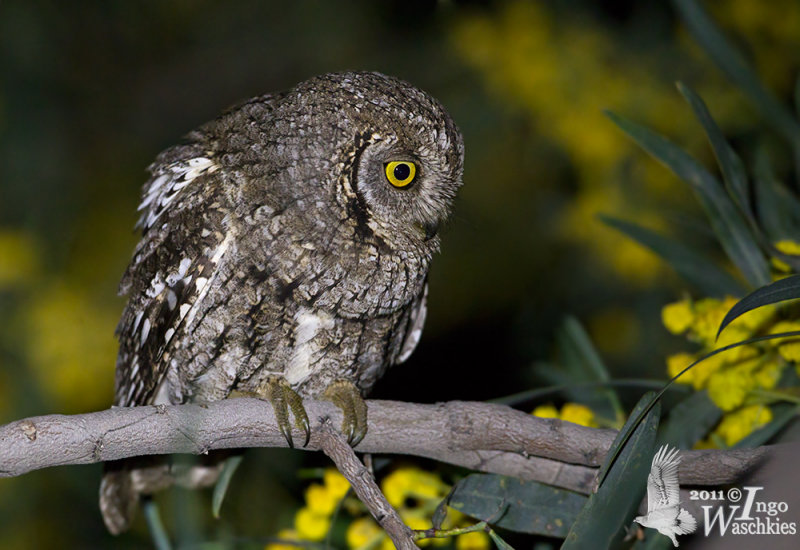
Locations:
{"points": [[328, 266]]}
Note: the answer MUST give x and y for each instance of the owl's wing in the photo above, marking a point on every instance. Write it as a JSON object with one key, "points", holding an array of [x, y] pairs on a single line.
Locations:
{"points": [[663, 490], [416, 322], [173, 267]]}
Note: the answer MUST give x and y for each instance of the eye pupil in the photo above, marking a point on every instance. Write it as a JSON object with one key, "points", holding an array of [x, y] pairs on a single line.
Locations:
{"points": [[402, 171]]}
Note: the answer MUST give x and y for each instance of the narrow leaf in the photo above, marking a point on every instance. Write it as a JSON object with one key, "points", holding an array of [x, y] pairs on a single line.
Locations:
{"points": [[689, 421], [779, 291], [733, 172], [575, 337], [778, 207], [530, 507], [601, 522], [499, 542], [691, 265], [731, 62], [228, 469], [155, 525], [729, 225]]}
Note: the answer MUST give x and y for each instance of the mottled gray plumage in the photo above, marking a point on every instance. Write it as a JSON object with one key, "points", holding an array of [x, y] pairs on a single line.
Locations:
{"points": [[273, 244]]}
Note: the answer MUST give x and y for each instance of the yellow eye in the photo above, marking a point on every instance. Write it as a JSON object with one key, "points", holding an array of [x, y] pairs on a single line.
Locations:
{"points": [[401, 173]]}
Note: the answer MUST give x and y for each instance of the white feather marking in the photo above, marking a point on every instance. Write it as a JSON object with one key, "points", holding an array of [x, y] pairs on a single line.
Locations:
{"points": [[184, 310], [168, 334], [418, 315], [156, 287], [172, 299], [204, 288], [184, 267], [308, 325], [164, 188], [137, 320], [145, 332]]}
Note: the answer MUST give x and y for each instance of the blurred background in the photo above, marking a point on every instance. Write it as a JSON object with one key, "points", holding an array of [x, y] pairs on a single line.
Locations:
{"points": [[91, 91]]}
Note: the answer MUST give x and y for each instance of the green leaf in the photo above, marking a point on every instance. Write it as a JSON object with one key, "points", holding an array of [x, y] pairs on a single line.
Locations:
{"points": [[782, 414], [696, 268], [726, 220], [779, 291], [733, 172], [574, 342], [228, 469], [601, 522], [689, 421], [499, 542], [731, 62], [530, 507], [778, 207], [155, 525]]}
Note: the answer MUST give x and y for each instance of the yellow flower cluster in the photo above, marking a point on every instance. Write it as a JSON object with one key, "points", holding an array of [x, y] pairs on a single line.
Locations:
{"points": [[570, 412], [736, 426], [313, 521], [735, 377], [729, 377], [415, 494]]}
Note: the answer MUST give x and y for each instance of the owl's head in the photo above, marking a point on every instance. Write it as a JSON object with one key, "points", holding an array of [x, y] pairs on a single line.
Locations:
{"points": [[402, 159]]}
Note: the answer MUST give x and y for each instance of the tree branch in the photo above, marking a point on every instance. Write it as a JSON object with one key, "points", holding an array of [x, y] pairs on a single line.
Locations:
{"points": [[479, 436]]}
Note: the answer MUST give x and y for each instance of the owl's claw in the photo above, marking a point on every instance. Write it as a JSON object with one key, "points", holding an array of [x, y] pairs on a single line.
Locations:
{"points": [[347, 397], [284, 399]]}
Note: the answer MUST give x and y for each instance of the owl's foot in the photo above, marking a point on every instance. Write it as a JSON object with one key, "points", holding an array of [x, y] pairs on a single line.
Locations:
{"points": [[347, 397], [283, 398]]}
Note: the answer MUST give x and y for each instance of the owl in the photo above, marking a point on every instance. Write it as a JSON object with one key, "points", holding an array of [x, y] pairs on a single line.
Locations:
{"points": [[284, 254]]}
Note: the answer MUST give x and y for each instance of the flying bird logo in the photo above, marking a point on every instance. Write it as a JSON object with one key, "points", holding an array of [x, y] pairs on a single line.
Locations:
{"points": [[664, 512]]}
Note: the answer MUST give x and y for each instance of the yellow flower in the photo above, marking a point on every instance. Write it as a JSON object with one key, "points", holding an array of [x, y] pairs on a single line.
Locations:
{"points": [[18, 258], [310, 525], [676, 363], [729, 387], [336, 484], [363, 532], [768, 374], [709, 313], [755, 318], [320, 499], [790, 350], [737, 425], [71, 346], [677, 317], [787, 247], [287, 535], [578, 414], [545, 411], [412, 482], [476, 540]]}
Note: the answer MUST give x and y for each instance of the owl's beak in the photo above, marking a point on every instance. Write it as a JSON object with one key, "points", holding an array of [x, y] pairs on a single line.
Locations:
{"points": [[431, 230]]}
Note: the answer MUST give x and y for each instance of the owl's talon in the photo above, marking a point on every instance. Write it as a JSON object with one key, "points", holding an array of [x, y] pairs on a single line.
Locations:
{"points": [[284, 399], [347, 397]]}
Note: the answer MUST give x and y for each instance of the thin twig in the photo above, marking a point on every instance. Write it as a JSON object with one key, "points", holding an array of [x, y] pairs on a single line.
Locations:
{"points": [[335, 446]]}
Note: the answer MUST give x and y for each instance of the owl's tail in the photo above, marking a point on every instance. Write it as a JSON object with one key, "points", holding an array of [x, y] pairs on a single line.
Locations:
{"points": [[126, 481]]}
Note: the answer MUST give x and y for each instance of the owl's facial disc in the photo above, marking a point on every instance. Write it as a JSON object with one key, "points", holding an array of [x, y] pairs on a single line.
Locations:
{"points": [[407, 188]]}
